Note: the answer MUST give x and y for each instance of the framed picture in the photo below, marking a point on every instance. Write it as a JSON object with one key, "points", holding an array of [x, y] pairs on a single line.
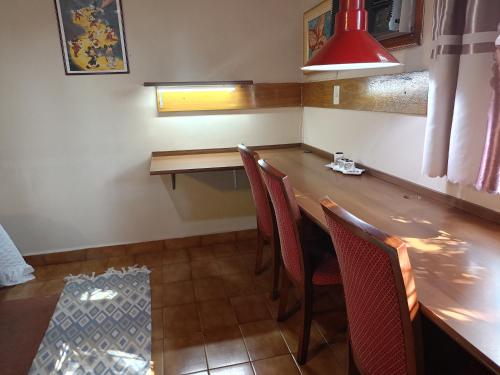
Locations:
{"points": [[318, 28], [92, 36]]}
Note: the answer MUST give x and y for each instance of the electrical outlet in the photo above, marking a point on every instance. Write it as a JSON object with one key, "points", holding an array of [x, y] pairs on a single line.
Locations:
{"points": [[336, 95]]}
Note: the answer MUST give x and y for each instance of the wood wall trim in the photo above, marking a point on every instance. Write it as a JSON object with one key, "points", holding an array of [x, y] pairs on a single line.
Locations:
{"points": [[404, 93], [397, 93], [259, 95], [419, 190], [226, 149], [141, 248]]}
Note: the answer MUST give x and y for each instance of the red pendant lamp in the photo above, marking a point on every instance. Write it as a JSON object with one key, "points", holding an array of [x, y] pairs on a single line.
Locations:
{"points": [[351, 46]]}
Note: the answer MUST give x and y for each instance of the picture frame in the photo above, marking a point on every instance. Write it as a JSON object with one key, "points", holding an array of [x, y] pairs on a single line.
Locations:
{"points": [[412, 38], [92, 36], [317, 27], [411, 11]]}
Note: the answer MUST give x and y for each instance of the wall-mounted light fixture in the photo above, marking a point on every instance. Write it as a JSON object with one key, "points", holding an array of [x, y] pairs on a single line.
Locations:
{"points": [[206, 95], [228, 88]]}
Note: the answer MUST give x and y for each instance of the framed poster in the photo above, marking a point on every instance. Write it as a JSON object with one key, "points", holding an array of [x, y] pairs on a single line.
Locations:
{"points": [[92, 36], [318, 28]]}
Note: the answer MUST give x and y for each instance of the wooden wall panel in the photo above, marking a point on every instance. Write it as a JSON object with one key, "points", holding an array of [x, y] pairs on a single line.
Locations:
{"points": [[398, 93], [260, 95]]}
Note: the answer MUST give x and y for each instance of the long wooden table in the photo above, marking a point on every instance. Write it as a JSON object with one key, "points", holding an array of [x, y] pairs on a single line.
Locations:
{"points": [[455, 255]]}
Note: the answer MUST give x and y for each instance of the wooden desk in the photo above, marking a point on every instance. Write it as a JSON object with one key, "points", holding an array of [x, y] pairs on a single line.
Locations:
{"points": [[455, 255], [192, 161]]}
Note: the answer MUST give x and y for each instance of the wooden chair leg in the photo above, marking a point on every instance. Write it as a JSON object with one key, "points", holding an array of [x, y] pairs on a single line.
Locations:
{"points": [[285, 287], [276, 269], [306, 312], [260, 250]]}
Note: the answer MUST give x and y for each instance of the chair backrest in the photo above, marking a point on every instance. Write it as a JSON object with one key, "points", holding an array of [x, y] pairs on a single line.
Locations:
{"points": [[259, 191], [379, 291], [288, 219]]}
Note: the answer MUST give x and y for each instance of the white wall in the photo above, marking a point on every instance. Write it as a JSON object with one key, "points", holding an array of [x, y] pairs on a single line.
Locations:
{"points": [[74, 151], [392, 143]]}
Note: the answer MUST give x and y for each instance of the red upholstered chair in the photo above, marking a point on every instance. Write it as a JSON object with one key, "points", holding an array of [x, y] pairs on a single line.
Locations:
{"points": [[306, 266], [380, 296], [266, 231]]}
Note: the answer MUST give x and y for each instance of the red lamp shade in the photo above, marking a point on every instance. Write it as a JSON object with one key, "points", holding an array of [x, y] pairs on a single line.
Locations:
{"points": [[351, 46]]}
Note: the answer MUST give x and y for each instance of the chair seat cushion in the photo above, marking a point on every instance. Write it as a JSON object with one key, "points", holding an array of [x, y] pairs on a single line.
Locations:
{"points": [[326, 270]]}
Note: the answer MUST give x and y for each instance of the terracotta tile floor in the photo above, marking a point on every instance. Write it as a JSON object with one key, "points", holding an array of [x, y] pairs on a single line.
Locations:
{"points": [[212, 315]]}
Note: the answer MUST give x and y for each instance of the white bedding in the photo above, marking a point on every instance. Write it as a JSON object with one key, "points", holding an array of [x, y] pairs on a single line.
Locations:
{"points": [[13, 269]]}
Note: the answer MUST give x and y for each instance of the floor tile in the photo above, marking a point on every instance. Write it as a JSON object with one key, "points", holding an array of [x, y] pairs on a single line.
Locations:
{"points": [[243, 235], [322, 361], [175, 256], [181, 243], [216, 314], [57, 271], [340, 352], [152, 260], [241, 369], [144, 247], [97, 266], [238, 284], [277, 365], [291, 330], [156, 277], [263, 339], [200, 253], [156, 298], [224, 249], [249, 260], [250, 308], [273, 305], [176, 272], [184, 355], [35, 260], [65, 257], [52, 287], [21, 291], [248, 246], [201, 269], [233, 264], [179, 293], [157, 324], [209, 289], [157, 356], [181, 320], [105, 252], [263, 282], [332, 325], [121, 261], [211, 239], [225, 347]]}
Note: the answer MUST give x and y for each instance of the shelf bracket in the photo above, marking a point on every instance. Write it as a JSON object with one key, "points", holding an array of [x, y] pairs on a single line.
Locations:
{"points": [[172, 178], [235, 179]]}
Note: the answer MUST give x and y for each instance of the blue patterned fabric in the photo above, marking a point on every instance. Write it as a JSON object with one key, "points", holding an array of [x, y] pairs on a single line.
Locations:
{"points": [[101, 325]]}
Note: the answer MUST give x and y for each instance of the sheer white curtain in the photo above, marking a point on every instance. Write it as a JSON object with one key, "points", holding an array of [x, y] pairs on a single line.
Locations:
{"points": [[460, 91]]}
